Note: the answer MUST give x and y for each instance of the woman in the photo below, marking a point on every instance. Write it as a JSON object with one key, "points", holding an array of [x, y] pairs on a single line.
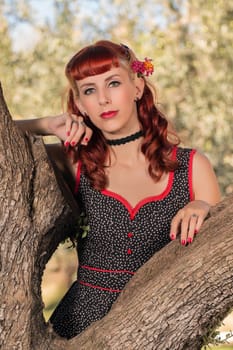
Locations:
{"points": [[138, 189]]}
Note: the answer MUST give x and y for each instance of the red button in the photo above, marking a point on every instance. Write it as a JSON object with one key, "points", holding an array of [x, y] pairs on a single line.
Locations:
{"points": [[129, 251], [130, 234]]}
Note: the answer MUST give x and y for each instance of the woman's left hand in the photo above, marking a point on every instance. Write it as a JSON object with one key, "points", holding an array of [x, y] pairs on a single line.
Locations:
{"points": [[188, 220]]}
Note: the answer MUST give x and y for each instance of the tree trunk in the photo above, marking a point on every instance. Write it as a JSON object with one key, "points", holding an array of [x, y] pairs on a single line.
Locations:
{"points": [[172, 302]]}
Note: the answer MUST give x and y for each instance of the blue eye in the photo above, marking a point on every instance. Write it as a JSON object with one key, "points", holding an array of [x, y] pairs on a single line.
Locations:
{"points": [[88, 91], [114, 83]]}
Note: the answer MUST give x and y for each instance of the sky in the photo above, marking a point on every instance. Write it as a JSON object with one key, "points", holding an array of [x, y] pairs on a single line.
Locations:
{"points": [[25, 36]]}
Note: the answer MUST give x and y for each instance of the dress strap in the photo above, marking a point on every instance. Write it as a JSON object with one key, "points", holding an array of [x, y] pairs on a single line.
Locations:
{"points": [[190, 174], [185, 170]]}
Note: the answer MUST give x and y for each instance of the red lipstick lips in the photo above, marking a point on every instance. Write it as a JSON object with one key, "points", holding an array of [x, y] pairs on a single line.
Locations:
{"points": [[108, 114]]}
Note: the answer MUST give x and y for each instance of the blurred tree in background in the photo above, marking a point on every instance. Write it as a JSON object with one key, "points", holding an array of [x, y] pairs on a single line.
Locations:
{"points": [[190, 42]]}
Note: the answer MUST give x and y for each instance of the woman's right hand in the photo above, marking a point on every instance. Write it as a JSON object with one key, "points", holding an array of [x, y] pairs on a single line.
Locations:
{"points": [[71, 129], [77, 131]]}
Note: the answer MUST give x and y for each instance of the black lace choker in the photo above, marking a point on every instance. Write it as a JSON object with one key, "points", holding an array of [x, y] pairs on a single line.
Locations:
{"points": [[126, 139]]}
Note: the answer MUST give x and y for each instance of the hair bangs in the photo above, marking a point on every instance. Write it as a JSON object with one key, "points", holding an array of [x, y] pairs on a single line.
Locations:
{"points": [[92, 61]]}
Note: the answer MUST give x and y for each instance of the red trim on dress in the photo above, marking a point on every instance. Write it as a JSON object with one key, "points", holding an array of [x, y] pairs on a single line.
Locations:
{"points": [[133, 210], [77, 179], [190, 175], [102, 270], [98, 287]]}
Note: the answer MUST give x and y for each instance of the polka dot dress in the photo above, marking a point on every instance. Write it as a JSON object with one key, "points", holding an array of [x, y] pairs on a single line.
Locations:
{"points": [[120, 240]]}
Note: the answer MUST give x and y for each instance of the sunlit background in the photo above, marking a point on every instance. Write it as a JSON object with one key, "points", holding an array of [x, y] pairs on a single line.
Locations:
{"points": [[190, 42]]}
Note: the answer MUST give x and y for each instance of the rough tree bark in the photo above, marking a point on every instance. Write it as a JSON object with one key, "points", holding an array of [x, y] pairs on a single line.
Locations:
{"points": [[172, 301]]}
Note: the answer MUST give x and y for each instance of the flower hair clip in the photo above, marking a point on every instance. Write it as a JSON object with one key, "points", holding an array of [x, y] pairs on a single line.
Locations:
{"points": [[143, 68]]}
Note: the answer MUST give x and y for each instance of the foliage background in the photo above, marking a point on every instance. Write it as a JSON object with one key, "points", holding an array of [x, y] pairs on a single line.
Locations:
{"points": [[190, 42]]}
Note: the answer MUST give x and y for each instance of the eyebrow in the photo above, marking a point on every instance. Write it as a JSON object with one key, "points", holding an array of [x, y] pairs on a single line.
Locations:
{"points": [[106, 80]]}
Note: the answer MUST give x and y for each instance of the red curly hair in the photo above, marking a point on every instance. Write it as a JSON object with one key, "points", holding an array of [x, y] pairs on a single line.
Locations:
{"points": [[156, 146]]}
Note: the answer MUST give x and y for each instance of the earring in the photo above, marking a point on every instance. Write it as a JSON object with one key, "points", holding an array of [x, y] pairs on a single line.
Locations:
{"points": [[136, 99]]}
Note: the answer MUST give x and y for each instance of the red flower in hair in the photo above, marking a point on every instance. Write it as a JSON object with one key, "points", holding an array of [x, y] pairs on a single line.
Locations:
{"points": [[145, 67]]}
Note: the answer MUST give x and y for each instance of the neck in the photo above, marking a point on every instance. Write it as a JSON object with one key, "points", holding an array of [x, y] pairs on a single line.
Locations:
{"points": [[126, 139]]}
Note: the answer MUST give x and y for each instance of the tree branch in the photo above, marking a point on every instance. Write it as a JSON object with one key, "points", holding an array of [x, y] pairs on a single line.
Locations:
{"points": [[35, 217]]}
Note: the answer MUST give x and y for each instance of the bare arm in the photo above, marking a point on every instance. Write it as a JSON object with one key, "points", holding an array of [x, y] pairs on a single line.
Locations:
{"points": [[38, 126], [45, 126], [62, 126], [205, 184], [56, 126], [206, 190]]}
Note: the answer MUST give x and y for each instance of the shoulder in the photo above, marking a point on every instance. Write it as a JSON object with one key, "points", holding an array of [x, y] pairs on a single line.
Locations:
{"points": [[205, 182], [202, 166], [201, 162], [195, 158], [201, 174]]}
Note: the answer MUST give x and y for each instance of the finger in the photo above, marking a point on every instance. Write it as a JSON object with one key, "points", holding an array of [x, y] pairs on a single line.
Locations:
{"points": [[175, 225], [77, 132], [199, 222], [68, 123], [184, 229], [192, 227], [87, 136]]}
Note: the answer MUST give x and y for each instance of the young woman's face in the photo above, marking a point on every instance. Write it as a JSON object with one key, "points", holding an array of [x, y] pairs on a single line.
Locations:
{"points": [[109, 100]]}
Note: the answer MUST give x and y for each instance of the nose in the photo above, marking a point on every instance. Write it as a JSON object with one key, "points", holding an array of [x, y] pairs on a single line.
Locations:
{"points": [[104, 98]]}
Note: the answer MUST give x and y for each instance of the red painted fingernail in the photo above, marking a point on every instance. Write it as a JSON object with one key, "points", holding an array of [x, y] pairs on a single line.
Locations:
{"points": [[190, 239], [172, 236], [66, 143], [183, 242], [73, 143], [195, 231], [86, 139]]}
